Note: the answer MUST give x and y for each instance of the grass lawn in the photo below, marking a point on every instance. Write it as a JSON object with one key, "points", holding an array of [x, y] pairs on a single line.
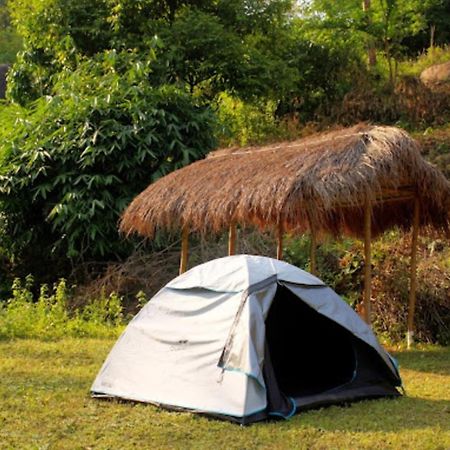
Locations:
{"points": [[45, 404]]}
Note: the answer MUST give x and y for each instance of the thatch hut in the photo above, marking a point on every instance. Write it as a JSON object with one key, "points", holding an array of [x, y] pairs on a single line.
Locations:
{"points": [[358, 181]]}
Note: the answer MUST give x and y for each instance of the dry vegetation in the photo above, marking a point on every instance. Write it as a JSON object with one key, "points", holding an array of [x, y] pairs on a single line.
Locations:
{"points": [[320, 181], [409, 102], [149, 271]]}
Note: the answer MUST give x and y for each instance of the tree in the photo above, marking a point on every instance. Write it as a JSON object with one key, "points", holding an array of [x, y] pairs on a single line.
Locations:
{"points": [[436, 31], [200, 52], [209, 44], [10, 42], [386, 24], [370, 47], [393, 21], [437, 17]]}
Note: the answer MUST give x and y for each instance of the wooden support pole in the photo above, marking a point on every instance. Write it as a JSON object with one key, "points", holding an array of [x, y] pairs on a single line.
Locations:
{"points": [[232, 239], [413, 281], [312, 253], [280, 232], [313, 247], [367, 260], [184, 249]]}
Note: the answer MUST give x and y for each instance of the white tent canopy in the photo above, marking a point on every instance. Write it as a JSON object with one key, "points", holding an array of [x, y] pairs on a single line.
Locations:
{"points": [[202, 344]]}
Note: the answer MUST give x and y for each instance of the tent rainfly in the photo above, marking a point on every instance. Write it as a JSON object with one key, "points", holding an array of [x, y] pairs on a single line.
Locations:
{"points": [[245, 338], [359, 181]]}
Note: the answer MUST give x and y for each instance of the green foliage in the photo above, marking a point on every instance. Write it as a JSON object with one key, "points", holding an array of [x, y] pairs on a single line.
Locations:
{"points": [[326, 73], [242, 123], [201, 52], [212, 46], [339, 263], [384, 26], [334, 24], [141, 299], [48, 316], [10, 44], [10, 41], [436, 31], [74, 160]]}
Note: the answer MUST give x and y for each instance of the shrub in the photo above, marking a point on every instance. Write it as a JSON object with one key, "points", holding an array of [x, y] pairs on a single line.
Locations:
{"points": [[48, 315], [74, 160], [340, 265], [243, 123]]}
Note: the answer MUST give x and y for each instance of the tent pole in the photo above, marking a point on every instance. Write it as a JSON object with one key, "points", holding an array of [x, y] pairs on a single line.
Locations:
{"points": [[413, 281], [184, 249], [367, 260], [280, 240], [232, 239]]}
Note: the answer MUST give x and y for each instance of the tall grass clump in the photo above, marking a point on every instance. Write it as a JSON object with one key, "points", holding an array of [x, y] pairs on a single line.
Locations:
{"points": [[434, 55], [48, 315]]}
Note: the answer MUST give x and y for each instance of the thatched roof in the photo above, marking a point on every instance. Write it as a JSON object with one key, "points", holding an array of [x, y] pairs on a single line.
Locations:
{"points": [[323, 179]]}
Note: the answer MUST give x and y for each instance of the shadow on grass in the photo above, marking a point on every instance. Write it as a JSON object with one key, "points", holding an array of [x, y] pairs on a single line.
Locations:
{"points": [[435, 361]]}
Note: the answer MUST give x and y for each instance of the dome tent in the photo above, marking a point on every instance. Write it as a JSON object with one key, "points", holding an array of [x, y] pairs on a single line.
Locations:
{"points": [[245, 338]]}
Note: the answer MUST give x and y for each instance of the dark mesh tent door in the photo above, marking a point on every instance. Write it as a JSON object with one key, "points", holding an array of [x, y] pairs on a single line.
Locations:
{"points": [[309, 352], [315, 360]]}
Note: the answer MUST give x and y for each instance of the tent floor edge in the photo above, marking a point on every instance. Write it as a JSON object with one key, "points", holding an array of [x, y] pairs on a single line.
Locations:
{"points": [[244, 420], [347, 396]]}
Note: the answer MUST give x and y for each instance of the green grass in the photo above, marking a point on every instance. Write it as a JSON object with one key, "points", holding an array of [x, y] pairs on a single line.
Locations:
{"points": [[45, 404]]}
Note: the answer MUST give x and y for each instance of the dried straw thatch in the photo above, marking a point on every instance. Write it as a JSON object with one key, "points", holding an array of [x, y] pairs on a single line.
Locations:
{"points": [[321, 181]]}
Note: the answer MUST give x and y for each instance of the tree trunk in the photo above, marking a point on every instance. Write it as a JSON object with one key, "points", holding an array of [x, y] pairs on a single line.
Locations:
{"points": [[432, 34], [372, 55]]}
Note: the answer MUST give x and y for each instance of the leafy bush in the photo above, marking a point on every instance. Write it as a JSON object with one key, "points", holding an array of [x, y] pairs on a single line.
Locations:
{"points": [[339, 264], [242, 123], [74, 160], [48, 315]]}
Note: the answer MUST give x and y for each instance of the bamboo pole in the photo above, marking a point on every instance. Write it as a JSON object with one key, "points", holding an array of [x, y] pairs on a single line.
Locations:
{"points": [[232, 239], [312, 253], [367, 260], [184, 249], [313, 247], [280, 240], [413, 281]]}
